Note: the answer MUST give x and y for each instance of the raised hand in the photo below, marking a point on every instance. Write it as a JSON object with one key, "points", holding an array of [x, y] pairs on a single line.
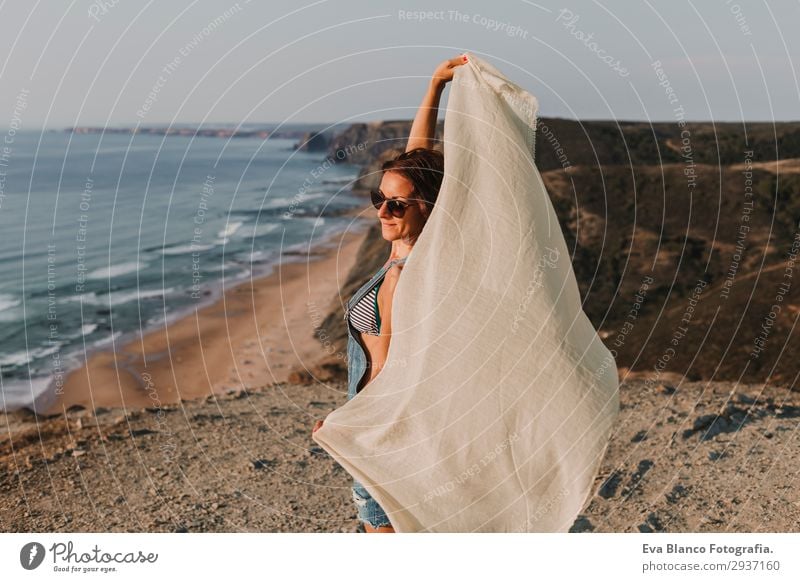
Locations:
{"points": [[424, 126], [445, 71]]}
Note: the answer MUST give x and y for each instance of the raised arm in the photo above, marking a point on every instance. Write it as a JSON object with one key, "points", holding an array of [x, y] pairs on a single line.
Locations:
{"points": [[423, 129]]}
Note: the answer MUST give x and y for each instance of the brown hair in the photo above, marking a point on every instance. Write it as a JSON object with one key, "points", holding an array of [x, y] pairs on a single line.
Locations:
{"points": [[424, 168]]}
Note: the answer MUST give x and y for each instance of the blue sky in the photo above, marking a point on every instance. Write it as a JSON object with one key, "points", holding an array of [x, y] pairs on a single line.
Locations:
{"points": [[120, 62]]}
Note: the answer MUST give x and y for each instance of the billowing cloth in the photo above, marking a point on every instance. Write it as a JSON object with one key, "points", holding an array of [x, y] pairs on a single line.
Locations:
{"points": [[495, 406]]}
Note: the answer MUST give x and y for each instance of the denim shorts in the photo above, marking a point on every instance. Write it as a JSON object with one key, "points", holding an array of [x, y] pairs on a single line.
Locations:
{"points": [[369, 511]]}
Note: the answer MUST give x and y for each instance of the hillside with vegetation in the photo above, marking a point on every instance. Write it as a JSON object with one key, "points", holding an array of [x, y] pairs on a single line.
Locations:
{"points": [[684, 240]]}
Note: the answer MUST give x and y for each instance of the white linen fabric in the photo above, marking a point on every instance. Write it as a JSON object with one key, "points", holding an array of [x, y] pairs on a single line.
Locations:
{"points": [[495, 406]]}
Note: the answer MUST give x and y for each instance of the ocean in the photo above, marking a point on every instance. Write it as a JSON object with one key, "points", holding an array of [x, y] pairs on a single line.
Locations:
{"points": [[108, 235]]}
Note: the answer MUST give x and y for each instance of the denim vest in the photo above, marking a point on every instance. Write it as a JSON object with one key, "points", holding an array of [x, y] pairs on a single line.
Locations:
{"points": [[356, 357]]}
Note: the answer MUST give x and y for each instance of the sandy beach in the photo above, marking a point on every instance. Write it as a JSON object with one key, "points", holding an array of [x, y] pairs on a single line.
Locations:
{"points": [[255, 334]]}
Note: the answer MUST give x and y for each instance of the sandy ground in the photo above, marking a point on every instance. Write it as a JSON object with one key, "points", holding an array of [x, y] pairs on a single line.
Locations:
{"points": [[239, 462], [684, 457], [700, 457], [255, 334]]}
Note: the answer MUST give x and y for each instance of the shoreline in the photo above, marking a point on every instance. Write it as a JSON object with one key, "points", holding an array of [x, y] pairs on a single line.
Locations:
{"points": [[246, 336]]}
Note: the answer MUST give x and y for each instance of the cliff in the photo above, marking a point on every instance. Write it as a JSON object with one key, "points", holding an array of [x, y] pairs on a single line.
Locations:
{"points": [[683, 239]]}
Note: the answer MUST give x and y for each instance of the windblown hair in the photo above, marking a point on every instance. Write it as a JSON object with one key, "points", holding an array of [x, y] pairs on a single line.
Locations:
{"points": [[424, 168]]}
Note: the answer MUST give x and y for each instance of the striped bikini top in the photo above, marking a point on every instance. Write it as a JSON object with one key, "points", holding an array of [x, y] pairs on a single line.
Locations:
{"points": [[364, 314]]}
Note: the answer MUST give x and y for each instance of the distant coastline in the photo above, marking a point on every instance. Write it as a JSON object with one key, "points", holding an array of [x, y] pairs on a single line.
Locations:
{"points": [[264, 132]]}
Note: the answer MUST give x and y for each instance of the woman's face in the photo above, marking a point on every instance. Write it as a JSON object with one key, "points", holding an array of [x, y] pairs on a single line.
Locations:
{"points": [[407, 228]]}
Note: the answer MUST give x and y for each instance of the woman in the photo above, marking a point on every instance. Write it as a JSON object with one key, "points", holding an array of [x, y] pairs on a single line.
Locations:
{"points": [[404, 200]]}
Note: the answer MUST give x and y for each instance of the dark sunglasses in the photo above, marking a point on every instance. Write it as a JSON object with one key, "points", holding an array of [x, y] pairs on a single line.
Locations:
{"points": [[396, 208]]}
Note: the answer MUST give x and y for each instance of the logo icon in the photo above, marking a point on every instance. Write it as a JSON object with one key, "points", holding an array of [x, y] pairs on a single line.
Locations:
{"points": [[31, 555]]}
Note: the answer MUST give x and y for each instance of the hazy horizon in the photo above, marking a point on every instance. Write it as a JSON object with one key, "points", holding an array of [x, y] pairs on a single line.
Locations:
{"points": [[332, 124], [107, 63]]}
